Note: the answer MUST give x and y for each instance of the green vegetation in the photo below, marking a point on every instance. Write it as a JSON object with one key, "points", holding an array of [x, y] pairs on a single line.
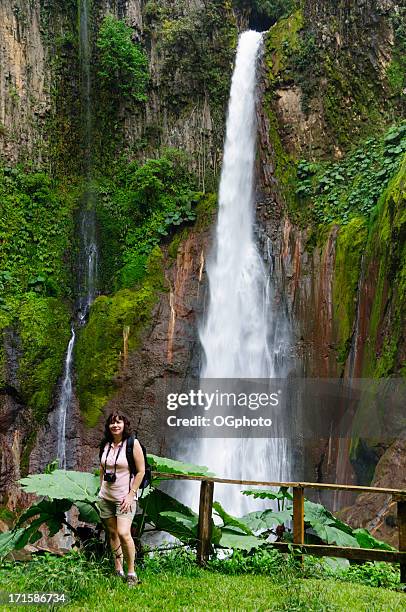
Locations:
{"points": [[175, 579], [139, 207], [87, 574], [338, 191], [386, 254], [36, 230], [123, 65], [162, 512], [342, 93], [43, 327], [282, 42]]}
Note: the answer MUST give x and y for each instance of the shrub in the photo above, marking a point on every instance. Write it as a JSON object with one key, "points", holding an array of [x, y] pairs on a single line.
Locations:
{"points": [[123, 65]]}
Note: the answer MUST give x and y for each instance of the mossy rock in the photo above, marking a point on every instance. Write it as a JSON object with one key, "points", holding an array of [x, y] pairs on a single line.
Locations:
{"points": [[387, 248], [282, 41], [99, 347], [350, 244], [43, 326]]}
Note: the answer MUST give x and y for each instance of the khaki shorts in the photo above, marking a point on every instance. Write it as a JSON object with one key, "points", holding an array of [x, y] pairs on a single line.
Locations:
{"points": [[109, 509]]}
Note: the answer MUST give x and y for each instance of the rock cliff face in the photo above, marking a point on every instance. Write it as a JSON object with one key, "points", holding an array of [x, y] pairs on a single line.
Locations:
{"points": [[323, 88], [24, 81], [316, 101]]}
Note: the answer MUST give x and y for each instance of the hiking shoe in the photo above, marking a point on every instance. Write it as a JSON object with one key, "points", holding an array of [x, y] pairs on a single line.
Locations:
{"points": [[120, 574], [132, 581]]}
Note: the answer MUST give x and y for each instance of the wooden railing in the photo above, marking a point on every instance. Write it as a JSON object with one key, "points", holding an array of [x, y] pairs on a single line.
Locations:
{"points": [[298, 546]]}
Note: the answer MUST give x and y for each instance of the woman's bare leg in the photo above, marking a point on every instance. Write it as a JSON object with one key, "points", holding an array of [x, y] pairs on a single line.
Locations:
{"points": [[127, 543], [115, 544]]}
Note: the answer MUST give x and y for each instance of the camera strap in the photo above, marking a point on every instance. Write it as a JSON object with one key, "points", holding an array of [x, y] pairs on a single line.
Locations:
{"points": [[115, 463]]}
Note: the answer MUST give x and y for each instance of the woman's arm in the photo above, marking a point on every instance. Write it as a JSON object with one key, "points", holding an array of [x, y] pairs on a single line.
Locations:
{"points": [[139, 466], [101, 475]]}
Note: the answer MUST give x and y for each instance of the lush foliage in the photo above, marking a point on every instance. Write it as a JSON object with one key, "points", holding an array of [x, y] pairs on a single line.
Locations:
{"points": [[36, 233], [353, 185], [318, 520], [36, 228], [43, 330], [80, 575], [60, 489], [123, 65], [161, 512], [139, 207]]}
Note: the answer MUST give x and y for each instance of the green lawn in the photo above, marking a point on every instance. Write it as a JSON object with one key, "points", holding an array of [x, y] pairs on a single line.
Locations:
{"points": [[206, 590]]}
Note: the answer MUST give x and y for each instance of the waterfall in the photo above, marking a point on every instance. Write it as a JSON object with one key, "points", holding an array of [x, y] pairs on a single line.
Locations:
{"points": [[234, 336], [64, 401], [242, 337], [88, 252]]}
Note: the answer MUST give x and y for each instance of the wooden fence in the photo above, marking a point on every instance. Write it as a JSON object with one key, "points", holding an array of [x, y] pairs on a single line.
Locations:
{"points": [[298, 546]]}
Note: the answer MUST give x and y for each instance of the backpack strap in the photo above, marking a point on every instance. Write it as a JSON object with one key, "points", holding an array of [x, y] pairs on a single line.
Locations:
{"points": [[129, 452]]}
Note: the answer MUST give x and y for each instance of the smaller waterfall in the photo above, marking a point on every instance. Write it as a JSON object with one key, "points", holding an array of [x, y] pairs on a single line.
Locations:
{"points": [[88, 259], [64, 402]]}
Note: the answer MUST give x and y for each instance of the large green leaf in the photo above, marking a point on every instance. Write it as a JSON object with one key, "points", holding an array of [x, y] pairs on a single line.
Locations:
{"points": [[231, 539], [168, 514], [156, 502], [9, 540], [332, 535], [63, 484], [179, 525], [230, 520], [46, 510], [316, 513], [171, 466], [87, 513], [365, 540], [262, 520]]}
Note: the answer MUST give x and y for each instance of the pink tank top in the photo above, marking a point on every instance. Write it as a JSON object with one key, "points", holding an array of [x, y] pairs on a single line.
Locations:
{"points": [[116, 491]]}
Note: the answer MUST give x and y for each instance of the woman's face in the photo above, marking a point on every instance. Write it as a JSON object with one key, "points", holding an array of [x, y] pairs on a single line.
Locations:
{"points": [[117, 427]]}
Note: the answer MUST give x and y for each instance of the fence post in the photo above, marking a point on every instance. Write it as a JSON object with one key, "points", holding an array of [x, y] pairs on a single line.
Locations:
{"points": [[204, 527], [298, 517], [402, 535]]}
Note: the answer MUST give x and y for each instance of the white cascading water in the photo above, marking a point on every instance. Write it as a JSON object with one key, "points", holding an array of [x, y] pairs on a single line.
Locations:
{"points": [[234, 335], [64, 401], [238, 336]]}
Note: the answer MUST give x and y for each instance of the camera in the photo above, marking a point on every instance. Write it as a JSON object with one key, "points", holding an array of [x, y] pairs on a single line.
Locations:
{"points": [[110, 477]]}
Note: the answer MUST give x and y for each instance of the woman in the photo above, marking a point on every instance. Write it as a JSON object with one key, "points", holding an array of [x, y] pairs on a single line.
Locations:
{"points": [[118, 491]]}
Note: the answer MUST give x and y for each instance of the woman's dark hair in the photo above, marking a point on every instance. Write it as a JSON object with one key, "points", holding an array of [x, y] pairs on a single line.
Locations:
{"points": [[116, 415]]}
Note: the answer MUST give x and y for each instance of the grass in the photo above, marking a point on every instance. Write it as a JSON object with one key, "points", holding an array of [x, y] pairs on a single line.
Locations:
{"points": [[182, 585]]}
